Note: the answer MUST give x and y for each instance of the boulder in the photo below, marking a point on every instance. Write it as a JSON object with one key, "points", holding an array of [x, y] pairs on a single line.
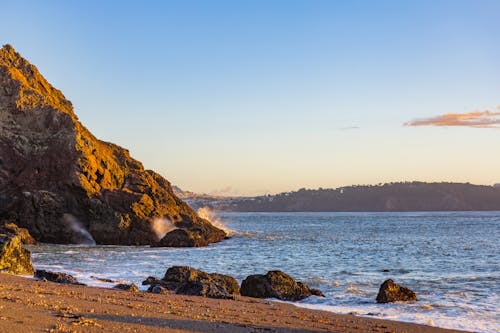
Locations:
{"points": [[316, 292], [276, 284], [23, 233], [177, 274], [392, 292], [57, 277], [127, 287], [182, 238], [212, 285], [153, 282], [66, 186], [189, 281], [14, 259], [157, 289], [102, 279]]}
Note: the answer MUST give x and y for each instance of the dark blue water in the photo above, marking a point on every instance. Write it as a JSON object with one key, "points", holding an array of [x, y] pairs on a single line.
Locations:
{"points": [[451, 260]]}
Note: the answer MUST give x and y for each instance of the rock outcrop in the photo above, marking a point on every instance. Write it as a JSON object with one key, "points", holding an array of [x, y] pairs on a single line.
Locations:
{"points": [[127, 287], [57, 277], [189, 281], [14, 259], [392, 292], [23, 233], [276, 284], [66, 186]]}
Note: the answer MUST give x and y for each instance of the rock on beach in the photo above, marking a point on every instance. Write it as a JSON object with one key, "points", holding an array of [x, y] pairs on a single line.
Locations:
{"points": [[14, 259], [186, 280], [276, 284]]}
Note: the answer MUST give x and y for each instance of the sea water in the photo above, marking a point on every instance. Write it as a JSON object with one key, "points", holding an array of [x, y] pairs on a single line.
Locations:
{"points": [[451, 260]]}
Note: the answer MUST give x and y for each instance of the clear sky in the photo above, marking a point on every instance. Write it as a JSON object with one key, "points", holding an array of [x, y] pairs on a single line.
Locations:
{"points": [[250, 97]]}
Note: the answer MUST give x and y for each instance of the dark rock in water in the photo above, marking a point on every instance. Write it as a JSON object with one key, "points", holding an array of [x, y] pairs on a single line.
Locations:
{"points": [[14, 259], [66, 186], [23, 233], [182, 238], [127, 287], [316, 292], [276, 284], [189, 281], [392, 292], [102, 279], [57, 277]]}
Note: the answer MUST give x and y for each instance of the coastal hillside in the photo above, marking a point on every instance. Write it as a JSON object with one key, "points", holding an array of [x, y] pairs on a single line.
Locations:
{"points": [[66, 186], [392, 197]]}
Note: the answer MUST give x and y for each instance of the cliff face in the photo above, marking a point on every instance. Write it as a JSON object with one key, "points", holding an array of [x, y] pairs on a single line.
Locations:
{"points": [[59, 181]]}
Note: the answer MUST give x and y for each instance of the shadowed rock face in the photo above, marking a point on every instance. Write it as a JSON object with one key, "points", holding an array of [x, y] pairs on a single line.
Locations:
{"points": [[57, 277], [276, 284], [66, 186], [189, 281]]}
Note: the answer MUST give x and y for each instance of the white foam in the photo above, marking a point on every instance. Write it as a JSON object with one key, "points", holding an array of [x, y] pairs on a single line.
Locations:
{"points": [[474, 321], [209, 214]]}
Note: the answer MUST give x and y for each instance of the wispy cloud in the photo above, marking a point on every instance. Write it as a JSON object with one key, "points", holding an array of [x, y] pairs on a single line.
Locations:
{"points": [[477, 119], [348, 128]]}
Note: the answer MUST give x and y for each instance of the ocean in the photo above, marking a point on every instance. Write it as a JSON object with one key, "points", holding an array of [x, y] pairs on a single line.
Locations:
{"points": [[450, 259]]}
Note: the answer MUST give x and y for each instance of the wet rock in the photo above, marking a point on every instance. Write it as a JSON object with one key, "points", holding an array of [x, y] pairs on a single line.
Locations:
{"points": [[127, 287], [316, 292], [188, 238], [182, 238], [57, 277], [189, 281], [102, 279], [391, 292], [66, 186], [23, 233], [276, 284], [157, 289], [14, 259], [177, 274], [152, 282]]}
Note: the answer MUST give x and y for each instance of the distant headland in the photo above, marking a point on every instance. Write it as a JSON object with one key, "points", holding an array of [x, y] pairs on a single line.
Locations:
{"points": [[390, 197]]}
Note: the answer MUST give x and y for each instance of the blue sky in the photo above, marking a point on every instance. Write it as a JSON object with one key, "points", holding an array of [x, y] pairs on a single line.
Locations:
{"points": [[250, 97]]}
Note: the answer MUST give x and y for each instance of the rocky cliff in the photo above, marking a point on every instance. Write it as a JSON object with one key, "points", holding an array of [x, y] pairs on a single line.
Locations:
{"points": [[66, 186]]}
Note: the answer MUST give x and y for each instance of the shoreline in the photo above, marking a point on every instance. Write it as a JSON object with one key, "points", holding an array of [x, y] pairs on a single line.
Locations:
{"points": [[29, 305]]}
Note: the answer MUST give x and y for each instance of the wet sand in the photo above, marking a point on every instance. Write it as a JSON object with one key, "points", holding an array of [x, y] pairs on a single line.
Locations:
{"points": [[27, 305]]}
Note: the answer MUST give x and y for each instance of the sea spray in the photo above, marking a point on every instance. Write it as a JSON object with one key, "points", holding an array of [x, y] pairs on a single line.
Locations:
{"points": [[80, 234], [208, 214], [161, 226]]}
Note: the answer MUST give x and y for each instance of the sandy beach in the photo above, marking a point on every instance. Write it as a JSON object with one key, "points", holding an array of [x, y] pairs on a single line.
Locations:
{"points": [[27, 305]]}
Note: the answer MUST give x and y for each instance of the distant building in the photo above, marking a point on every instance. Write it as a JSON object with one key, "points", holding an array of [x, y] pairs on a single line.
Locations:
{"points": [[497, 185]]}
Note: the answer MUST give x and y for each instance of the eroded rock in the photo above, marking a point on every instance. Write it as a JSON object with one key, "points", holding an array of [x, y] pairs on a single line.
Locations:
{"points": [[189, 281], [392, 292], [14, 259], [23, 233], [127, 287], [276, 284], [57, 277]]}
